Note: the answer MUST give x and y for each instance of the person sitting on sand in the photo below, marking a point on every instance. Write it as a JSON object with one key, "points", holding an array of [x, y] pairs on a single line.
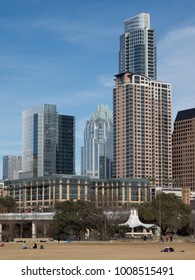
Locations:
{"points": [[24, 245], [41, 246], [168, 249], [35, 246]]}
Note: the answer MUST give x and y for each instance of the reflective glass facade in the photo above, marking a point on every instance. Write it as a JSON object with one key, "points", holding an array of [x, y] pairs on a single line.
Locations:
{"points": [[12, 165], [96, 155], [44, 137], [138, 47], [65, 160]]}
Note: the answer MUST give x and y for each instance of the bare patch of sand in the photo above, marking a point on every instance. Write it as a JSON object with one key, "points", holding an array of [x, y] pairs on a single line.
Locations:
{"points": [[99, 251]]}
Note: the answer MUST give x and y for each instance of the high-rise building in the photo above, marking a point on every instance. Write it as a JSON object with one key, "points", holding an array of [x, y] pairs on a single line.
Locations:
{"points": [[45, 141], [12, 166], [1, 188], [65, 158], [138, 47], [96, 154], [142, 135], [183, 145]]}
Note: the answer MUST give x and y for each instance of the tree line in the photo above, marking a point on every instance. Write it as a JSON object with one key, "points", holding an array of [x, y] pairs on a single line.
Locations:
{"points": [[74, 219]]}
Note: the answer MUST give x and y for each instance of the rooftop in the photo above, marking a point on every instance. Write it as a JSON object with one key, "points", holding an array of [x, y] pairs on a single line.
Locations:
{"points": [[185, 114]]}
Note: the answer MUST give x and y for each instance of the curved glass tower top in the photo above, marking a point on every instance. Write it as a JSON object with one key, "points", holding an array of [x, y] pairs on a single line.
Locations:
{"points": [[138, 47], [140, 21]]}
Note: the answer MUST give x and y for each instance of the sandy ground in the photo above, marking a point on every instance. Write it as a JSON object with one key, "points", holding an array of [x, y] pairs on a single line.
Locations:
{"points": [[99, 251]]}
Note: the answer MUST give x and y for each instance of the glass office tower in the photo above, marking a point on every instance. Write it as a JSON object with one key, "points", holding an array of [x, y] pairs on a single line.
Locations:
{"points": [[65, 157], [138, 47], [12, 166], [42, 142], [39, 140], [96, 154]]}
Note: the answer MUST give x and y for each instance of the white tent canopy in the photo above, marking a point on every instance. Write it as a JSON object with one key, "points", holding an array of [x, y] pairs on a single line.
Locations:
{"points": [[134, 221]]}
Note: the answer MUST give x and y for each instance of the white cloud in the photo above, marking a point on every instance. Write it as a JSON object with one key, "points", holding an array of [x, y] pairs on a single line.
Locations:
{"points": [[106, 80], [72, 30]]}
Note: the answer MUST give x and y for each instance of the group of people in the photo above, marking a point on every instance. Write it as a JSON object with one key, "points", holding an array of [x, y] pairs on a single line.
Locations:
{"points": [[166, 238], [24, 246]]}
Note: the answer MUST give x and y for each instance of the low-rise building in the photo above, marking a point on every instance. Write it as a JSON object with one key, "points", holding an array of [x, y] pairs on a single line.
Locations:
{"points": [[43, 192]]}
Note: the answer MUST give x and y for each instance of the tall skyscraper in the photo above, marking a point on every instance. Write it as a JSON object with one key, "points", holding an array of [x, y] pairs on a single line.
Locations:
{"points": [[138, 47], [142, 133], [12, 166], [96, 154], [184, 149], [142, 128], [44, 142]]}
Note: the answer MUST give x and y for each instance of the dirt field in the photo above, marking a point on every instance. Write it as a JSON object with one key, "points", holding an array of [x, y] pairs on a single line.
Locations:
{"points": [[99, 251]]}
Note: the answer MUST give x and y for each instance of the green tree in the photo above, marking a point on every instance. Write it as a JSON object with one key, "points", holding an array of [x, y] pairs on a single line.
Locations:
{"points": [[167, 211], [74, 217], [7, 204]]}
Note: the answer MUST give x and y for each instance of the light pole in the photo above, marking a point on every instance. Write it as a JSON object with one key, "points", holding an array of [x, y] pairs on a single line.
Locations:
{"points": [[160, 217], [128, 196], [21, 225], [97, 187]]}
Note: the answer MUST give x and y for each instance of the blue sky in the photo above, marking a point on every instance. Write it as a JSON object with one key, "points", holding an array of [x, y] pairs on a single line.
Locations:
{"points": [[66, 53]]}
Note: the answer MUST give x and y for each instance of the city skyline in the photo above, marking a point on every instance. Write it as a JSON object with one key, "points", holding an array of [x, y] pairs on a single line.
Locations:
{"points": [[67, 54]]}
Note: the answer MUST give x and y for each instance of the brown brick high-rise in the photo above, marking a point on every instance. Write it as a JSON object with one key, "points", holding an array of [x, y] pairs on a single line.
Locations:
{"points": [[184, 149], [142, 135]]}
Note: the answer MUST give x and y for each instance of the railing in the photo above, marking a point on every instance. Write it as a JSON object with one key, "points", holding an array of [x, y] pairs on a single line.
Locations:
{"points": [[27, 216]]}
